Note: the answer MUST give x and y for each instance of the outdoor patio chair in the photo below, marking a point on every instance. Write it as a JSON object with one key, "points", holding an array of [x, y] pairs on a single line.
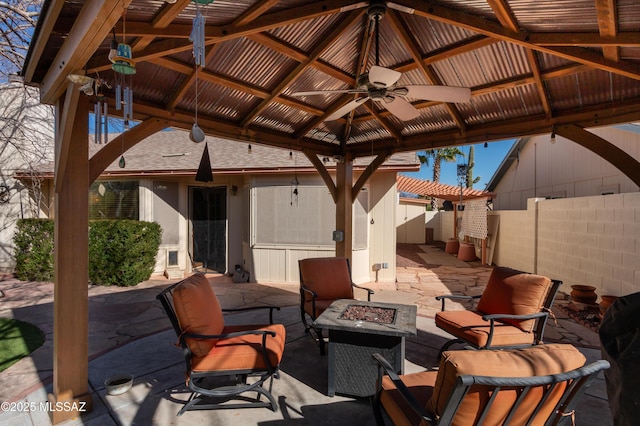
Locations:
{"points": [[323, 280], [538, 385], [224, 362], [511, 312]]}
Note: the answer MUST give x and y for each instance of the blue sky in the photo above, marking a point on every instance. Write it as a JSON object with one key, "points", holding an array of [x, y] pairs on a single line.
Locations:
{"points": [[487, 161]]}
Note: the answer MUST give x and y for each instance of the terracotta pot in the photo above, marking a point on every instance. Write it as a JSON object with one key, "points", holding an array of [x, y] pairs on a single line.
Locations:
{"points": [[584, 294], [452, 246], [606, 301]]}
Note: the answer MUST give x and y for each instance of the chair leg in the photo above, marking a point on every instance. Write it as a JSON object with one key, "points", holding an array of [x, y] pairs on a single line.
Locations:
{"points": [[377, 410], [308, 328]]}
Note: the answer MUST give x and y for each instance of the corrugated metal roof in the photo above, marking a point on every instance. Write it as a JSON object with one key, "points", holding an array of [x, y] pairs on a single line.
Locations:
{"points": [[549, 71]]}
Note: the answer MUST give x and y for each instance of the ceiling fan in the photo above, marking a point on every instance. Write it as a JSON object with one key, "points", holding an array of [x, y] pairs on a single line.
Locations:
{"points": [[379, 85]]}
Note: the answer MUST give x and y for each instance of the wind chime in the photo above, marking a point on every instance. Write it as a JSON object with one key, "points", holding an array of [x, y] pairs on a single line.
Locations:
{"points": [[204, 173], [100, 109], [124, 67]]}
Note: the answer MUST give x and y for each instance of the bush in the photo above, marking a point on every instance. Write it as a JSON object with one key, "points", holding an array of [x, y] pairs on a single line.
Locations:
{"points": [[33, 243], [122, 252]]}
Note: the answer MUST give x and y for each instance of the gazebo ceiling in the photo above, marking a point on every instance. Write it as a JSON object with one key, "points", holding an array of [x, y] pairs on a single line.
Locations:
{"points": [[531, 65]]}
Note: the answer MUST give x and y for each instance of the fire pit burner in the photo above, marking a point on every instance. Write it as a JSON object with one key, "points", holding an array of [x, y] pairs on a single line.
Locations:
{"points": [[369, 313]]}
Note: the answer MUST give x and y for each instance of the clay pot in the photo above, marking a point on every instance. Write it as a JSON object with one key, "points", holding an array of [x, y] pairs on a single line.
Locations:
{"points": [[606, 301], [452, 246], [584, 294]]}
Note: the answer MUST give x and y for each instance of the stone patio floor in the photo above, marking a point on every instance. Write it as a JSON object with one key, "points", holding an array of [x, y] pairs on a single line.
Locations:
{"points": [[120, 317]]}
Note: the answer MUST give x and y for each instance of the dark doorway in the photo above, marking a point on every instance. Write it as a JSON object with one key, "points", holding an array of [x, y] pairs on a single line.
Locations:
{"points": [[209, 227]]}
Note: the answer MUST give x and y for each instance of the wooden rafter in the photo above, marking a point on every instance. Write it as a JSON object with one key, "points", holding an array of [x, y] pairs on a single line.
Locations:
{"points": [[315, 53], [482, 26], [608, 24]]}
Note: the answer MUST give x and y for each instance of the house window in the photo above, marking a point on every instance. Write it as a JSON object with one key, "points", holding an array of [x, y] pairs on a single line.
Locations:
{"points": [[283, 217], [114, 200], [306, 218]]}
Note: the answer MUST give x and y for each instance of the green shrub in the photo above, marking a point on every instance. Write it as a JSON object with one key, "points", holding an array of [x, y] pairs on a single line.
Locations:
{"points": [[122, 252], [33, 243]]}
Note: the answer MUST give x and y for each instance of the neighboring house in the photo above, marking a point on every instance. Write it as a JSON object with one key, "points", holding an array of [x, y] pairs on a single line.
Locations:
{"points": [[537, 168], [26, 140], [264, 210]]}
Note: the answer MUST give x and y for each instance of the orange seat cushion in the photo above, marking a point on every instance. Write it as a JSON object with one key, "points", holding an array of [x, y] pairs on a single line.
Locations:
{"points": [[328, 277], [533, 361], [469, 326], [198, 311], [420, 385], [243, 352], [516, 293]]}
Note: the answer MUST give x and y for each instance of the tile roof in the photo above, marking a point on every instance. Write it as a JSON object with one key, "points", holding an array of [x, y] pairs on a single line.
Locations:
{"points": [[437, 190]]}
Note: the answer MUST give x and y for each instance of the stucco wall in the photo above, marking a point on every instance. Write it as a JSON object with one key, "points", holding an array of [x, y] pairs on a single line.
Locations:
{"points": [[382, 231], [565, 169], [279, 263], [26, 140]]}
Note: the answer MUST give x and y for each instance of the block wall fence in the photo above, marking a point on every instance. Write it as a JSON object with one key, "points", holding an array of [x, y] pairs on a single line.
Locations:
{"points": [[586, 240]]}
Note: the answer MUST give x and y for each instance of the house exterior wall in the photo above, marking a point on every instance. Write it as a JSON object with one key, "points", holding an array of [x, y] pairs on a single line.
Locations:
{"points": [[26, 140], [279, 262], [382, 231], [565, 169]]}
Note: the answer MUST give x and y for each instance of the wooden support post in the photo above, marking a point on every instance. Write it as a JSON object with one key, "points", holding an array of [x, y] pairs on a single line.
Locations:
{"points": [[344, 207], [455, 221], [484, 251], [70, 304]]}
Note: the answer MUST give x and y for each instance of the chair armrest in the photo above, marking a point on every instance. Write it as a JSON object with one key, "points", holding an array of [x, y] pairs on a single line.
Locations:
{"points": [[402, 388], [456, 297], [308, 290], [493, 317], [227, 335], [255, 308], [368, 290]]}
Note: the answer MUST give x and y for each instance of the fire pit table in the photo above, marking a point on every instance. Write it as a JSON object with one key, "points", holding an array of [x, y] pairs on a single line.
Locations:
{"points": [[358, 329]]}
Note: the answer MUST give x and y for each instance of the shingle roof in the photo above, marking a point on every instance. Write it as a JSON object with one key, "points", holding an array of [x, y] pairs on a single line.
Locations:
{"points": [[172, 152]]}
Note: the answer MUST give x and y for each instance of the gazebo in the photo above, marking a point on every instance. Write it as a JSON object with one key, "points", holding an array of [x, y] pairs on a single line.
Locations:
{"points": [[243, 70]]}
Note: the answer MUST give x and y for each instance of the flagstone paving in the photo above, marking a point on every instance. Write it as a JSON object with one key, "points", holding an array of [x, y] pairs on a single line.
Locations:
{"points": [[121, 315]]}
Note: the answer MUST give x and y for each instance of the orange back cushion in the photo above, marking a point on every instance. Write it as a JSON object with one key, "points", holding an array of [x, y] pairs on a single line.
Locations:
{"points": [[328, 276], [534, 361], [516, 293], [198, 311]]}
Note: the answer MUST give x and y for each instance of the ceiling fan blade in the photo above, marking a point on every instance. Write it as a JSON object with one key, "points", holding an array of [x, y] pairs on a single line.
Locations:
{"points": [[402, 109], [440, 93], [383, 77], [329, 92], [346, 108]]}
